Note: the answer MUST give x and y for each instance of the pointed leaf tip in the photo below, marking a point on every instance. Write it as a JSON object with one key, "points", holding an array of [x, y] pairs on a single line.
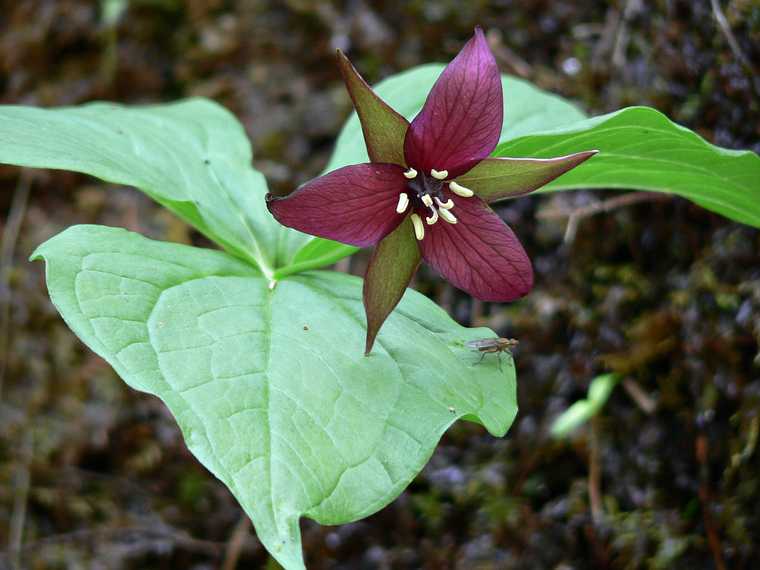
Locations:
{"points": [[390, 269], [495, 179], [383, 128]]}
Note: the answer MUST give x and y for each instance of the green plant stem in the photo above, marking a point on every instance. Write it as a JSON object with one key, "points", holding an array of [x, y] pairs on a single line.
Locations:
{"points": [[317, 263], [595, 473], [7, 248]]}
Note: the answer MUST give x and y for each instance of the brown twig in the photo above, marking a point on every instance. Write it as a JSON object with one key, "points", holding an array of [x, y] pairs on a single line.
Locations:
{"points": [[622, 35], [724, 26], [207, 547], [595, 474], [21, 485], [713, 540], [235, 543], [602, 206], [575, 215], [7, 249], [503, 53], [606, 40], [643, 400]]}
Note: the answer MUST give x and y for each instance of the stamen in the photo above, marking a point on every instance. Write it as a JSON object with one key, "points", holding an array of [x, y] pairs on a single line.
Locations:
{"points": [[460, 190], [419, 229], [432, 219], [411, 173], [448, 216], [447, 205], [439, 174], [403, 202], [427, 200]]}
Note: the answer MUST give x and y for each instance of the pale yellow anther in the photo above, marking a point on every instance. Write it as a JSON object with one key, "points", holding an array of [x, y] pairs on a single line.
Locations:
{"points": [[447, 205], [439, 174], [448, 216], [419, 229], [460, 190], [427, 200], [403, 202], [432, 219], [411, 173]]}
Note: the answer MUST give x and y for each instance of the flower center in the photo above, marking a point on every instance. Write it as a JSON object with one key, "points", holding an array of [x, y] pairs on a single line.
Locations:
{"points": [[425, 193]]}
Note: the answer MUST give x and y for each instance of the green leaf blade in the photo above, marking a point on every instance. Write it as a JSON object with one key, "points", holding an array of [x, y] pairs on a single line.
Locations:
{"points": [[192, 157], [640, 148], [390, 269], [270, 386]]}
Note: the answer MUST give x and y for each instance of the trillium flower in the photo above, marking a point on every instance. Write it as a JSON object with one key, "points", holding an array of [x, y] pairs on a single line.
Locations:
{"points": [[426, 191]]}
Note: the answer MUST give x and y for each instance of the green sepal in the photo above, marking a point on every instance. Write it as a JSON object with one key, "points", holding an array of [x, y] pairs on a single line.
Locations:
{"points": [[390, 269]]}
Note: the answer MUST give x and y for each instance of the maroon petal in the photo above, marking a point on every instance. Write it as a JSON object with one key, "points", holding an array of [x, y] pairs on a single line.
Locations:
{"points": [[354, 204], [479, 254], [461, 120], [390, 269], [383, 128], [494, 179]]}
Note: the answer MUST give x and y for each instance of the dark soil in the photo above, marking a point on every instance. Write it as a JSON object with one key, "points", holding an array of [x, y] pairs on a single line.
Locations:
{"points": [[94, 475]]}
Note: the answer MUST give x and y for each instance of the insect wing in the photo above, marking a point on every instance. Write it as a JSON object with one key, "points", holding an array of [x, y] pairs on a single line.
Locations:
{"points": [[483, 344]]}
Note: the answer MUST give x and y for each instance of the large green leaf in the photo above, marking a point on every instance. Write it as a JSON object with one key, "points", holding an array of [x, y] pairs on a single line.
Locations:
{"points": [[269, 385], [526, 109], [640, 148], [193, 157]]}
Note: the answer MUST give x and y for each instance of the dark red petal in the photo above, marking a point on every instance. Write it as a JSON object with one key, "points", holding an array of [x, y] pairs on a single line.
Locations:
{"points": [[384, 129], [479, 254], [461, 121], [494, 179], [390, 270], [354, 204]]}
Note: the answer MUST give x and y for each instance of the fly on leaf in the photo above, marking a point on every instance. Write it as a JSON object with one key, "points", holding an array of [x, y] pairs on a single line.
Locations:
{"points": [[490, 345]]}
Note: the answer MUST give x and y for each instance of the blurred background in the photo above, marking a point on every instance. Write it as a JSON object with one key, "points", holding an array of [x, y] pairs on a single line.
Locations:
{"points": [[94, 475]]}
